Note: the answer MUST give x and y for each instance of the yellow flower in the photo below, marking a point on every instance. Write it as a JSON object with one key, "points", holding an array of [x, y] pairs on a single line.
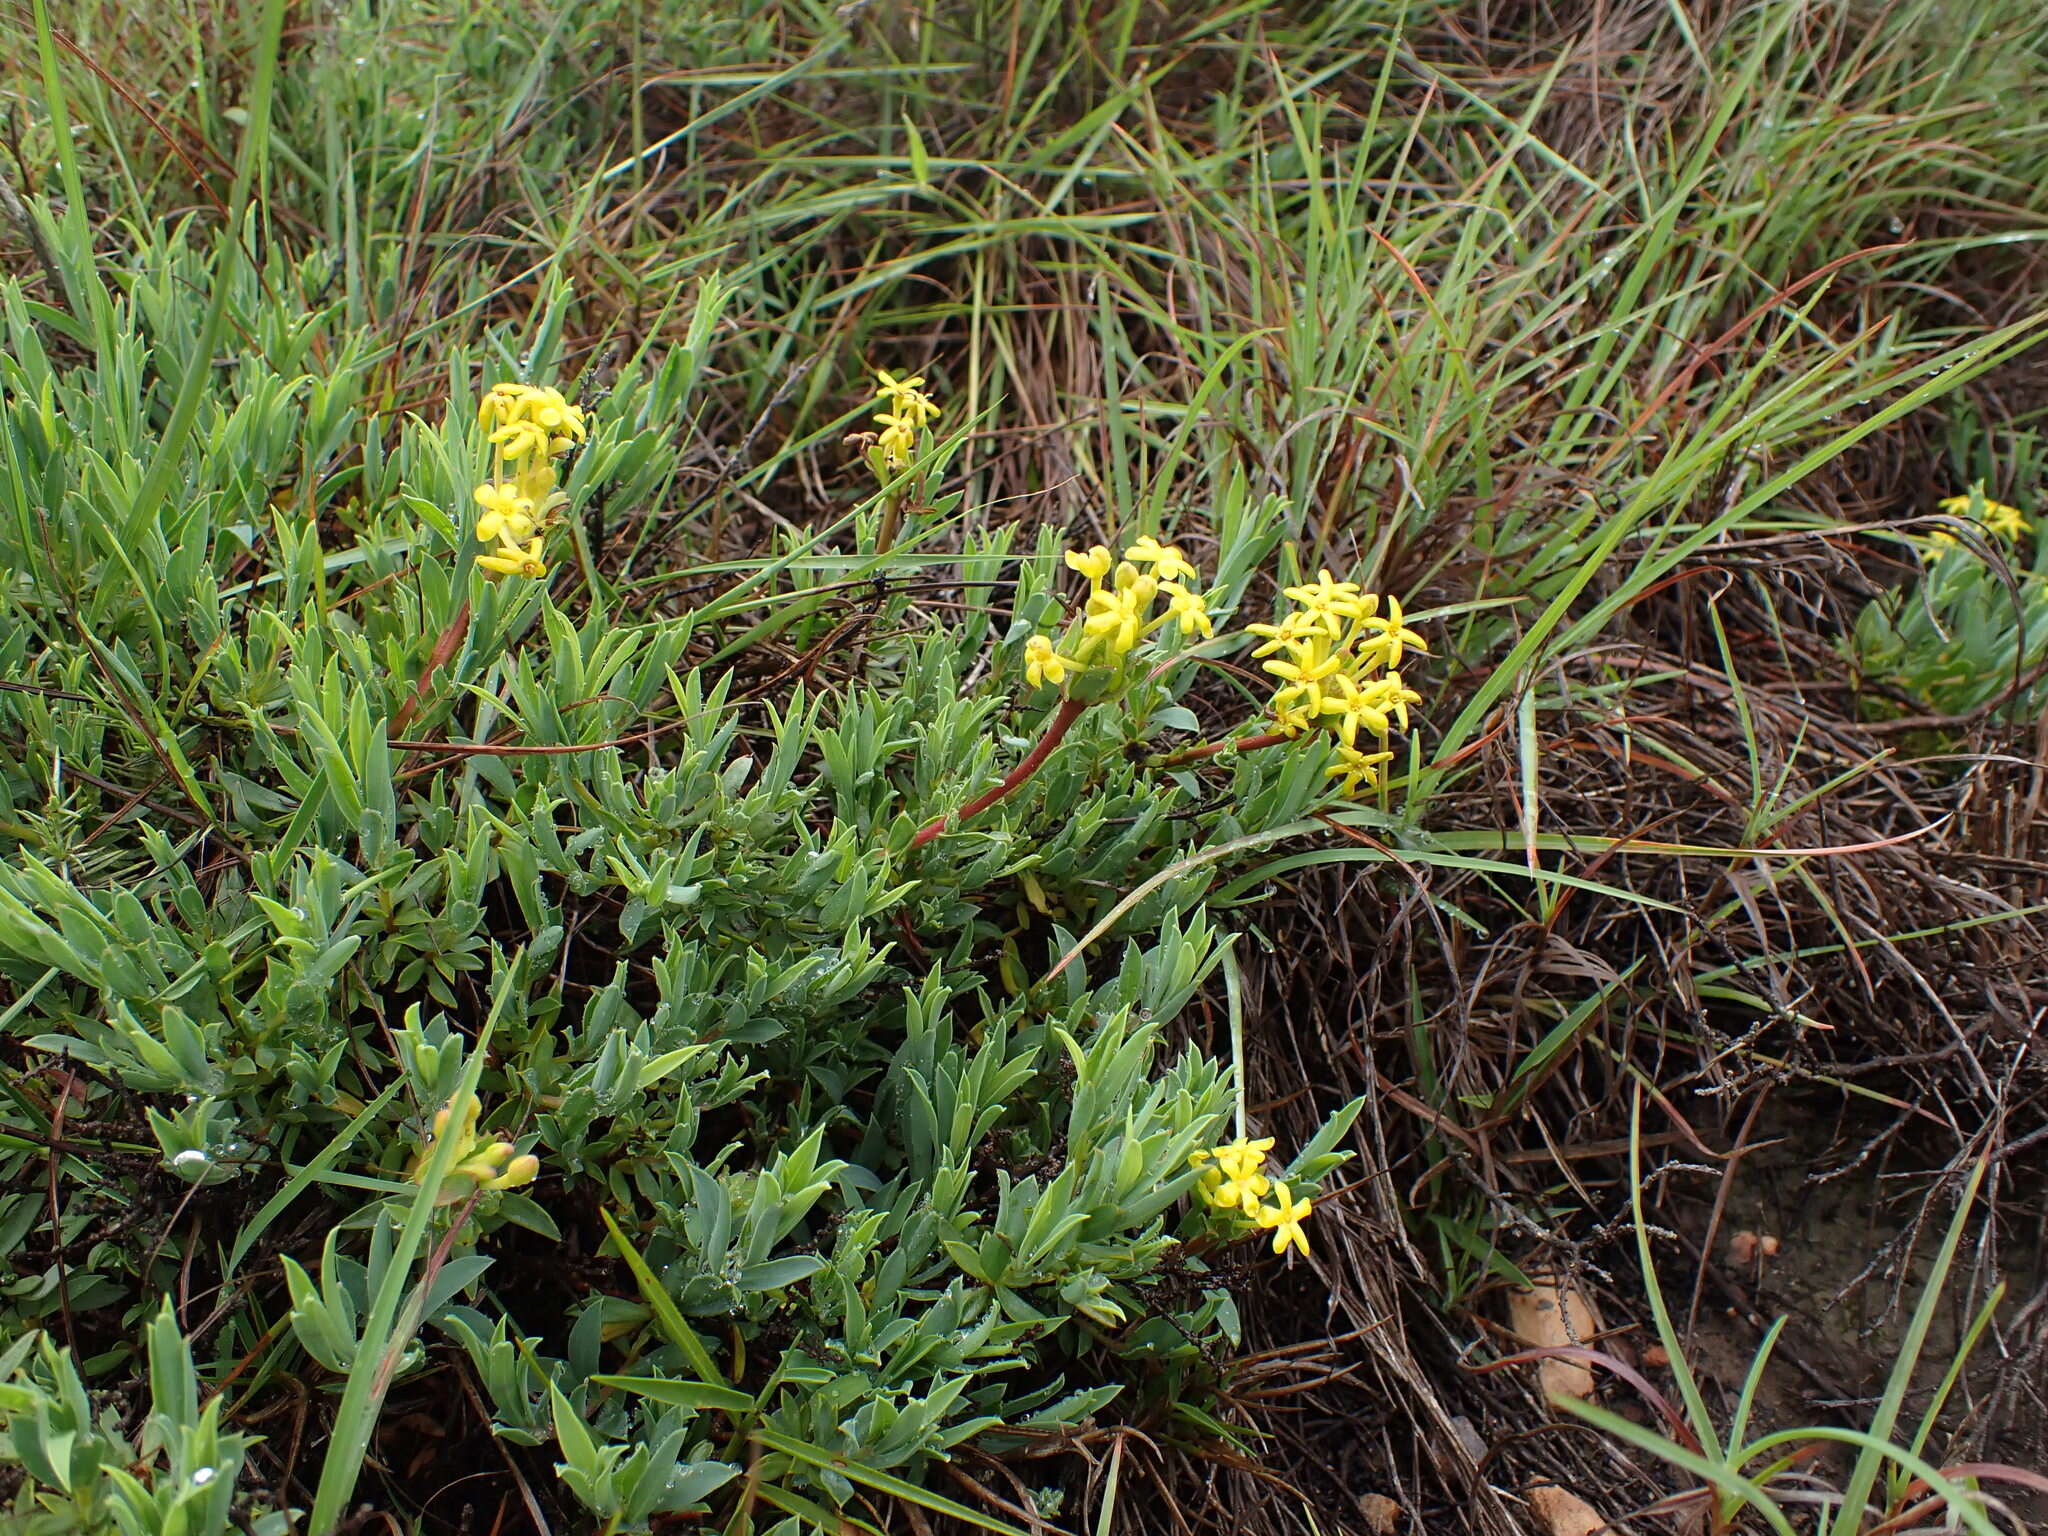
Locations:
{"points": [[531, 422], [511, 560], [1094, 564], [497, 1168], [1241, 1154], [889, 386], [1166, 560], [507, 515], [1141, 586], [1356, 768], [497, 404], [547, 408], [1230, 1178], [1390, 637], [497, 1165], [1324, 592], [1309, 668], [1355, 706], [1374, 705], [1042, 664], [1396, 696], [465, 1133], [1291, 715], [906, 398], [1284, 1219], [519, 439], [1241, 1191], [1111, 621], [1298, 625], [2007, 522], [536, 482], [897, 442], [1185, 608], [1325, 596]]}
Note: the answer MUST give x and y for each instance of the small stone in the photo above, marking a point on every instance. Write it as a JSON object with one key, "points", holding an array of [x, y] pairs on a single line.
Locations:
{"points": [[1382, 1516]]}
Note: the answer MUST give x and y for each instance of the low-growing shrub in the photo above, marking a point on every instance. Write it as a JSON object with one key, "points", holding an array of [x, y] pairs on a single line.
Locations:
{"points": [[1973, 631], [382, 928]]}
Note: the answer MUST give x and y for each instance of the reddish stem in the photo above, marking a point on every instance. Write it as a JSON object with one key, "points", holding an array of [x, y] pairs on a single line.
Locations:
{"points": [[445, 647], [1062, 722], [1218, 748]]}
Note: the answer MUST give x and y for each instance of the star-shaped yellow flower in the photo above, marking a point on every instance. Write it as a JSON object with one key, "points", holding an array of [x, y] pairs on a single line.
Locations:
{"points": [[1284, 1218], [1166, 560], [1308, 668], [1042, 664], [511, 560], [1355, 769], [507, 515], [1298, 625], [1186, 609], [1327, 596], [2007, 522], [1291, 714], [1389, 638]]}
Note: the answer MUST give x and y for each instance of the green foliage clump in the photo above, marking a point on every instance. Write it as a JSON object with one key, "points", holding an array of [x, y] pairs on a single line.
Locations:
{"points": [[1974, 629], [85, 1474], [425, 886]]}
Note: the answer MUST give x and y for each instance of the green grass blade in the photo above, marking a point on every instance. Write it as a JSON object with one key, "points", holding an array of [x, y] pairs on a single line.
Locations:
{"points": [[881, 1482], [1863, 1478], [323, 1160], [355, 1420], [667, 1317]]}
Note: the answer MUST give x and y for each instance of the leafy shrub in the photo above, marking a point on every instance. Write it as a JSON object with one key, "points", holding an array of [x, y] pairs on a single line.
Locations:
{"points": [[85, 1474], [1975, 627], [434, 925]]}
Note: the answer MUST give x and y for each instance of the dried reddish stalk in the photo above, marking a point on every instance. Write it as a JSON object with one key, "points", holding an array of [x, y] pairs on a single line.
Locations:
{"points": [[1062, 722], [445, 647], [1218, 748]]}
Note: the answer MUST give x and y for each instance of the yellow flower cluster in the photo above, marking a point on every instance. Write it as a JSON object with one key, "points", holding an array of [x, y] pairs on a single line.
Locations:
{"points": [[530, 428], [910, 410], [1119, 610], [1233, 1180], [477, 1165], [1338, 659], [2008, 523]]}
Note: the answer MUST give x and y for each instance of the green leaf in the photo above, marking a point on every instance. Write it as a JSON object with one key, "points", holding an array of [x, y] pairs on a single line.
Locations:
{"points": [[880, 1481], [666, 1316], [679, 1394], [322, 1161]]}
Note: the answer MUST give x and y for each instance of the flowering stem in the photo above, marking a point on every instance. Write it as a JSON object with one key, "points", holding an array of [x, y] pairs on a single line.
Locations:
{"points": [[892, 519], [1218, 748], [1062, 722]]}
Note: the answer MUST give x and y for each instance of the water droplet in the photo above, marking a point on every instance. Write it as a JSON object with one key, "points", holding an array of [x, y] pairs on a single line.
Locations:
{"points": [[203, 1476], [191, 1157]]}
